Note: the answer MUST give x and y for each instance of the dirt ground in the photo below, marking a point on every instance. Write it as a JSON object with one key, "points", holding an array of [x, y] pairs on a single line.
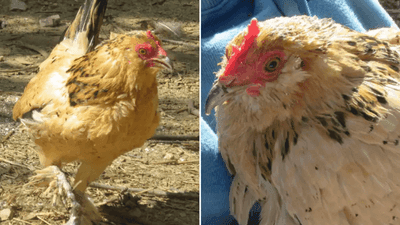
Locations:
{"points": [[157, 170], [393, 8]]}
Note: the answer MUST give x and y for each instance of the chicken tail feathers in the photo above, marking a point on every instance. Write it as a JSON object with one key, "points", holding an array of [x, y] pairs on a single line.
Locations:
{"points": [[80, 38], [84, 30]]}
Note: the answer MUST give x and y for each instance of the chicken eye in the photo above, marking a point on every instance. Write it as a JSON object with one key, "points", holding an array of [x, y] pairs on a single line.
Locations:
{"points": [[271, 65], [142, 51]]}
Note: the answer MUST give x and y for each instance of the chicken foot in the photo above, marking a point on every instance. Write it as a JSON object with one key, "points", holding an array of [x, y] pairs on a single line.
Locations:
{"points": [[83, 210]]}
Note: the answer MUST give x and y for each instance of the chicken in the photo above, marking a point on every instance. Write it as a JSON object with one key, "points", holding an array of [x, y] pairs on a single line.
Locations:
{"points": [[91, 104], [308, 118]]}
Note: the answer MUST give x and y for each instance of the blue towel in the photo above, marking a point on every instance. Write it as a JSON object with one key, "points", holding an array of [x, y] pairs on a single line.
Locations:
{"points": [[221, 20]]}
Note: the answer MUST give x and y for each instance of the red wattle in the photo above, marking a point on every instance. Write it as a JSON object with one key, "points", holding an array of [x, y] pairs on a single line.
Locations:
{"points": [[253, 90]]}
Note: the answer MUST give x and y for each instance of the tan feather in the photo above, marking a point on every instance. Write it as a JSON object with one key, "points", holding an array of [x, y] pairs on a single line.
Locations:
{"points": [[323, 137], [93, 106]]}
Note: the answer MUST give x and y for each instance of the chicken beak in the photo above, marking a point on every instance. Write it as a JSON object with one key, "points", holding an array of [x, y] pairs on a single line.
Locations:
{"points": [[215, 97], [163, 62]]}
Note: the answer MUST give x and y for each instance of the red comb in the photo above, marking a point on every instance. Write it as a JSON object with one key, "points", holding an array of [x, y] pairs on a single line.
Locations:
{"points": [[161, 51], [239, 53], [150, 35]]}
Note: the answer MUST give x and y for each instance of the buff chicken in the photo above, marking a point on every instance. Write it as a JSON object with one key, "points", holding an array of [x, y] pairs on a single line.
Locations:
{"points": [[91, 104], [308, 118]]}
